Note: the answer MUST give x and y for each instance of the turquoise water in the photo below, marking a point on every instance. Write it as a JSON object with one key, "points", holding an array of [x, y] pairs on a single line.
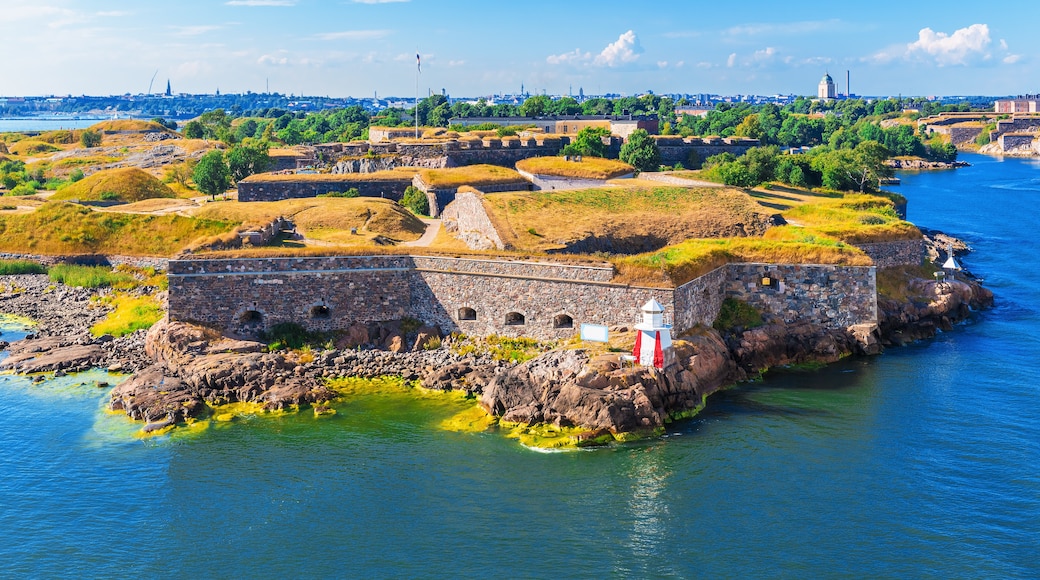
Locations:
{"points": [[924, 462]]}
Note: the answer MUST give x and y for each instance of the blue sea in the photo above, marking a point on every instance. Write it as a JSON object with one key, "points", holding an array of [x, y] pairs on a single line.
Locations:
{"points": [[923, 462]]}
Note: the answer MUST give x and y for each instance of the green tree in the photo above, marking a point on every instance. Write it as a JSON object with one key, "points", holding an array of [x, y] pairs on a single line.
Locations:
{"points": [[248, 158], [641, 151], [194, 130], [536, 106], [90, 138], [588, 141], [211, 174], [415, 200]]}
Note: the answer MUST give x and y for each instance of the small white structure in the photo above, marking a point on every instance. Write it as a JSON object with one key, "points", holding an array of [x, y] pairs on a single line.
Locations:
{"points": [[653, 338], [950, 263]]}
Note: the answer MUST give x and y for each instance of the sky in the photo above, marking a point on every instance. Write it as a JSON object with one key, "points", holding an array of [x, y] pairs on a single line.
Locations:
{"points": [[358, 48]]}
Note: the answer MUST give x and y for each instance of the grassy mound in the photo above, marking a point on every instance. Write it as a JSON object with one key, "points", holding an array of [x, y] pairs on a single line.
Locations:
{"points": [[587, 168], [646, 217], [680, 263], [61, 228], [853, 218], [32, 147], [472, 175], [128, 184], [128, 125], [330, 219]]}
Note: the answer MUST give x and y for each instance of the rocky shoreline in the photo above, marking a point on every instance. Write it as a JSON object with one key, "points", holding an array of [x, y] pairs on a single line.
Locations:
{"points": [[180, 371]]}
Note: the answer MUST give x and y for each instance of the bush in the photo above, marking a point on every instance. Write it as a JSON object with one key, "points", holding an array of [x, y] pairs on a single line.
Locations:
{"points": [[13, 267], [352, 192], [90, 138], [88, 276], [292, 336], [737, 314], [415, 200]]}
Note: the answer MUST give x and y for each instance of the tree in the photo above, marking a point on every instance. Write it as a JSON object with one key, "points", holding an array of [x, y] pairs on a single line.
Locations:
{"points": [[194, 130], [641, 151], [588, 141], [248, 158], [90, 138], [536, 106], [211, 174], [415, 200]]}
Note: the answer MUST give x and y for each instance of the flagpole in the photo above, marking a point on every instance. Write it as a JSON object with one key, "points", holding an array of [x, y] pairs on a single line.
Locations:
{"points": [[418, 69]]}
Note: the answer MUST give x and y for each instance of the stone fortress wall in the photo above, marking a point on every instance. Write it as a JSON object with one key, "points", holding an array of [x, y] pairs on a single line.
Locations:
{"points": [[494, 296]]}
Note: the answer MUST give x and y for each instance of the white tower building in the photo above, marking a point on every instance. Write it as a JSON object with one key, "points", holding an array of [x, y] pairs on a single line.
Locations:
{"points": [[653, 338], [827, 90]]}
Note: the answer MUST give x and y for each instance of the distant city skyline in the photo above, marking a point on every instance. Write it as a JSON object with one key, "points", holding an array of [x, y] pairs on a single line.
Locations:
{"points": [[359, 47]]}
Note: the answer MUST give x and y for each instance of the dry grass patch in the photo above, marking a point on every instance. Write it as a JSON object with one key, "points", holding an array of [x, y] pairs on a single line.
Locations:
{"points": [[61, 228], [128, 125], [638, 218], [472, 175], [587, 168], [852, 218], [33, 147], [128, 184], [327, 219], [153, 206]]}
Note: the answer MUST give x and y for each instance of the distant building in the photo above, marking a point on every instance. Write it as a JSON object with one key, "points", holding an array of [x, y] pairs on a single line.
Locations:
{"points": [[620, 125], [1020, 104], [827, 90]]}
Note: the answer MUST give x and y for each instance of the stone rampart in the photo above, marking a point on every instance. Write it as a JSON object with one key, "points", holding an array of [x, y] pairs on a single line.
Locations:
{"points": [[256, 188], [896, 253], [692, 151], [482, 297], [467, 219], [828, 296], [556, 182]]}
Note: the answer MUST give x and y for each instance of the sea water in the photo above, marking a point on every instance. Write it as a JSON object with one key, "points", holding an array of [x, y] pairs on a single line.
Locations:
{"points": [[922, 462]]}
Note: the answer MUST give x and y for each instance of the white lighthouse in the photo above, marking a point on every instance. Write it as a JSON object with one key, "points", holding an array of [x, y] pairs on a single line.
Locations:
{"points": [[653, 338]]}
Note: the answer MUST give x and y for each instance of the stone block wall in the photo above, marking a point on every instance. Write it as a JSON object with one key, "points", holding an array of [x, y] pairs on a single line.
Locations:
{"points": [[256, 188], [830, 296], [467, 219], [554, 182], [897, 253], [698, 301], [482, 297]]}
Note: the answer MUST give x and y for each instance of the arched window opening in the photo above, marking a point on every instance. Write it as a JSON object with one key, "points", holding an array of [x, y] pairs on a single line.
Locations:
{"points": [[320, 311], [467, 314], [514, 319], [251, 317], [563, 321]]}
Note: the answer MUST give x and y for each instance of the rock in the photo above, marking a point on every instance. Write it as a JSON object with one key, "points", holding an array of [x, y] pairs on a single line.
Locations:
{"points": [[50, 354], [394, 343], [426, 335], [356, 335]]}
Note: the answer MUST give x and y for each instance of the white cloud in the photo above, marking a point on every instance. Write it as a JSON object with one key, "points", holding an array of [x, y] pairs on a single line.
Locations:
{"points": [[785, 28], [624, 50], [194, 30], [261, 3], [732, 60], [662, 64], [574, 56], [952, 49], [272, 60], [1012, 58], [352, 35], [765, 55]]}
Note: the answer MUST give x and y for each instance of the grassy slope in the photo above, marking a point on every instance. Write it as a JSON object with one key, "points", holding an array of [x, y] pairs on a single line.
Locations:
{"points": [[672, 213], [329, 219], [62, 228], [472, 175]]}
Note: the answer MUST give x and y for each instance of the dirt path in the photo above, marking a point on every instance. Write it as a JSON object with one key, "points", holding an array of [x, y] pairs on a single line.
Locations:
{"points": [[433, 227]]}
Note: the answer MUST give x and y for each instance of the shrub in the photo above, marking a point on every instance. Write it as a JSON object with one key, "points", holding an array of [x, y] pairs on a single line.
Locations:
{"points": [[737, 314], [292, 336], [13, 267], [90, 138], [88, 276], [415, 200], [352, 192]]}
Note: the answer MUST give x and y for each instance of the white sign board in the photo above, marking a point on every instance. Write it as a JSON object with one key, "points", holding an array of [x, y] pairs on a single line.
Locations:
{"points": [[595, 333]]}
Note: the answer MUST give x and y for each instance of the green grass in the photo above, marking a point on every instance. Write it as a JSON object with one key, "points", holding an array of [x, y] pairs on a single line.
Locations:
{"points": [[737, 314], [13, 267], [89, 276], [132, 313]]}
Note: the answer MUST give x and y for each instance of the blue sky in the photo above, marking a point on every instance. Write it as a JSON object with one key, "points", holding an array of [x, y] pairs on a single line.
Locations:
{"points": [[469, 48]]}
